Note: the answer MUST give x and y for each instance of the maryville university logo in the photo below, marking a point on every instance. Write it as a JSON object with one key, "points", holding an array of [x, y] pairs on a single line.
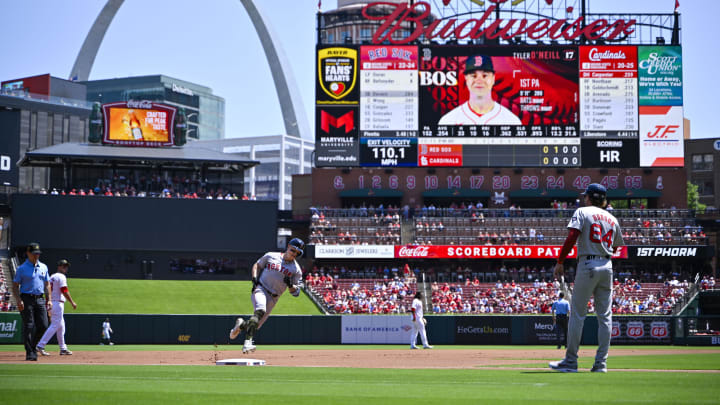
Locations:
{"points": [[659, 330], [337, 71], [346, 121], [414, 251], [635, 330]]}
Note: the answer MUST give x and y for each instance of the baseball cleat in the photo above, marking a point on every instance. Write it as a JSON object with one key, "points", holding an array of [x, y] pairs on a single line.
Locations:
{"points": [[65, 353], [234, 332], [42, 351], [427, 347], [598, 368], [248, 347], [413, 347], [562, 367]]}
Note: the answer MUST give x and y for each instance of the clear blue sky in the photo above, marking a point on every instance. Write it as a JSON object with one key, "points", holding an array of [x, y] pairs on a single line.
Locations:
{"points": [[213, 43]]}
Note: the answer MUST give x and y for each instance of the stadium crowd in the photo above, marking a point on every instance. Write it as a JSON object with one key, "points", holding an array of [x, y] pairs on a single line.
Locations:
{"points": [[362, 296], [473, 225], [388, 290]]}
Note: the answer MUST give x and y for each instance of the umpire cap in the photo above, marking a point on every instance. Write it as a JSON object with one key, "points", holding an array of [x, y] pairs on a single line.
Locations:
{"points": [[298, 244], [595, 190], [34, 248], [478, 62]]}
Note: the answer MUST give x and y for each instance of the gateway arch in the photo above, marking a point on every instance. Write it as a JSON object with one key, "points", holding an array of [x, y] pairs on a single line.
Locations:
{"points": [[294, 116]]}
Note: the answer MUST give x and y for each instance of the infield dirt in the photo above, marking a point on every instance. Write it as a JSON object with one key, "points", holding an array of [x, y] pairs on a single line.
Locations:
{"points": [[381, 358]]}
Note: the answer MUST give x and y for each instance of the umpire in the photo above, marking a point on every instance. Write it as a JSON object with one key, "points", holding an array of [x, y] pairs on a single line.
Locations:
{"points": [[560, 310], [31, 286]]}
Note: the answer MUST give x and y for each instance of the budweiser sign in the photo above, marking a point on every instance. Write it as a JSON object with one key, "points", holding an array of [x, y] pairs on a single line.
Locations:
{"points": [[413, 251], [404, 15]]}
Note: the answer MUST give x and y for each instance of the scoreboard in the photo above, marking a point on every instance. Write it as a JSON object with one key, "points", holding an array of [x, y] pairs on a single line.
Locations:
{"points": [[499, 106]]}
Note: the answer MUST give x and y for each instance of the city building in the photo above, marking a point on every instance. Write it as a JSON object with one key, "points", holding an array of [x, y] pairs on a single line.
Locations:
{"points": [[205, 111], [346, 24], [36, 112], [280, 157], [702, 157]]}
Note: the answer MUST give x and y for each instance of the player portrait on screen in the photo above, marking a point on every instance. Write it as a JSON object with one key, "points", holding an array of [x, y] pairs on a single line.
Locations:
{"points": [[480, 108]]}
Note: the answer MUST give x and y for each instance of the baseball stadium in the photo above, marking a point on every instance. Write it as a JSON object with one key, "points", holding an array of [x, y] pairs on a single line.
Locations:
{"points": [[554, 240]]}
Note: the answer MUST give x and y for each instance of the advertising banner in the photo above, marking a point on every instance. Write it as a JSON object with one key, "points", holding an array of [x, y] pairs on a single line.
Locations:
{"points": [[643, 330], [660, 75], [376, 329], [337, 141], [337, 76], [354, 252], [9, 147], [670, 251], [661, 136], [10, 327], [481, 330], [139, 123], [487, 252]]}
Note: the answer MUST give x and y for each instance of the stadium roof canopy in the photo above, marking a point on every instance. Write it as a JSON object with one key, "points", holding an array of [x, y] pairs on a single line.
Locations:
{"points": [[91, 155]]}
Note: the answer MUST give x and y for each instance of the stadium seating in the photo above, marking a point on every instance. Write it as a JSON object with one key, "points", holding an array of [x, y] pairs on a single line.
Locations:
{"points": [[384, 296], [362, 296], [467, 225]]}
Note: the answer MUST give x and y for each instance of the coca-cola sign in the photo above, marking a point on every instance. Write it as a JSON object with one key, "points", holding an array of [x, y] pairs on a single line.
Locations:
{"points": [[404, 15], [412, 251], [146, 104]]}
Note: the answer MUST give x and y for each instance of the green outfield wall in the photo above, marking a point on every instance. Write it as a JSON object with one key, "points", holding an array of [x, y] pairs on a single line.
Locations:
{"points": [[348, 329]]}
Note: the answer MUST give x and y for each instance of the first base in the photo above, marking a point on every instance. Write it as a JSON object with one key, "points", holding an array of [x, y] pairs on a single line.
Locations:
{"points": [[240, 362]]}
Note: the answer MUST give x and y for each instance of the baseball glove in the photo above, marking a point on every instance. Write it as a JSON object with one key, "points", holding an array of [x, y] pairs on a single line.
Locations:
{"points": [[424, 321], [288, 281]]}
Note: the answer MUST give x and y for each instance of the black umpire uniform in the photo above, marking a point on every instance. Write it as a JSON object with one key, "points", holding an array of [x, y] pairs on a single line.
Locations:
{"points": [[31, 286]]}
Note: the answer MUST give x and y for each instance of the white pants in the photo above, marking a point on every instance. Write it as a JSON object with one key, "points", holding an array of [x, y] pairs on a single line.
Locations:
{"points": [[419, 327], [593, 278], [262, 299], [57, 326]]}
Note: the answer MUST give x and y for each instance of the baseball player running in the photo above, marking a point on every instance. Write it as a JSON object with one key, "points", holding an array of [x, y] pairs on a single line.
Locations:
{"points": [[58, 294], [598, 234], [418, 323], [271, 275]]}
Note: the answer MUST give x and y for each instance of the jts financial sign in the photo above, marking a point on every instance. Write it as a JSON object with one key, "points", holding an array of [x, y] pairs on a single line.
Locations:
{"points": [[404, 15]]}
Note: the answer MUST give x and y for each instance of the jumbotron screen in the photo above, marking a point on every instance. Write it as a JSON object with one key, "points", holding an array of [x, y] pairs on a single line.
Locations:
{"points": [[499, 106], [138, 123]]}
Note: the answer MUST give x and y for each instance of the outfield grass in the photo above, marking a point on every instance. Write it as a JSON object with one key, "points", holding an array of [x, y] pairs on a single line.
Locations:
{"points": [[95, 296], [77, 384]]}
